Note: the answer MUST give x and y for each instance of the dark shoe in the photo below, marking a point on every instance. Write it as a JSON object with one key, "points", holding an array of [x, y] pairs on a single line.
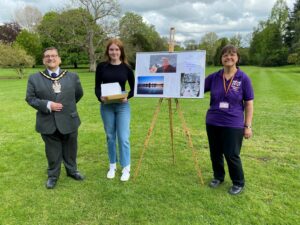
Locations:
{"points": [[76, 176], [215, 183], [51, 182], [235, 190]]}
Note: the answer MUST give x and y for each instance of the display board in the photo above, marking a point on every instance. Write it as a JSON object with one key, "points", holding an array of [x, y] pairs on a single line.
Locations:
{"points": [[170, 74]]}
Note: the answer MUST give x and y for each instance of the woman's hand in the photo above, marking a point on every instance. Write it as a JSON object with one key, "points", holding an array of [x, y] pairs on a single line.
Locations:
{"points": [[103, 99], [123, 100], [247, 133]]}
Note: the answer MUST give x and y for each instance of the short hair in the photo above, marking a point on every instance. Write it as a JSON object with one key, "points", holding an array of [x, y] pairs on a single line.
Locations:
{"points": [[230, 49], [50, 48]]}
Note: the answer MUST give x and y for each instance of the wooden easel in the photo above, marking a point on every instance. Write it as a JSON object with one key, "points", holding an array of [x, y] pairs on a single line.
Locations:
{"points": [[184, 126]]}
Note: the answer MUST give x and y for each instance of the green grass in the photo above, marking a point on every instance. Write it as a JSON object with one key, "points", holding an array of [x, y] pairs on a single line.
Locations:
{"points": [[163, 193]]}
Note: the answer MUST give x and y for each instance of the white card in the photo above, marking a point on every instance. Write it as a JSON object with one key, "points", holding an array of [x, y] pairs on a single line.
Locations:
{"points": [[111, 89], [224, 105]]}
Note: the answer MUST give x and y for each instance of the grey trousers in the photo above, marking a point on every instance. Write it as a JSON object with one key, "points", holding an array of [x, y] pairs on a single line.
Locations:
{"points": [[61, 148]]}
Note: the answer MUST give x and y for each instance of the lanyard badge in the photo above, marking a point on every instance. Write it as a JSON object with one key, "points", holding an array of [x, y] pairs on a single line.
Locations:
{"points": [[223, 104]]}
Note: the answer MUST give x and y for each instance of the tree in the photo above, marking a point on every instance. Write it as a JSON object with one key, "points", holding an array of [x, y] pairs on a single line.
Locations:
{"points": [[178, 48], [256, 47], [236, 40], [273, 52], [9, 32], [209, 43], [292, 35], [15, 57], [294, 58], [103, 13], [222, 42], [279, 15], [293, 25], [190, 44], [28, 17], [139, 36], [31, 43], [244, 56], [267, 48], [68, 32], [50, 29]]}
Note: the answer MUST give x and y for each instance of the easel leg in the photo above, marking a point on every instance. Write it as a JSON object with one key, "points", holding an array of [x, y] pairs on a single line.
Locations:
{"points": [[188, 135], [171, 128], [148, 137]]}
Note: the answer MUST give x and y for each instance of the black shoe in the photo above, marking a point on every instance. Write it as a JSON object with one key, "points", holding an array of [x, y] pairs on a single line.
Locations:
{"points": [[235, 190], [51, 182], [215, 183], [76, 176]]}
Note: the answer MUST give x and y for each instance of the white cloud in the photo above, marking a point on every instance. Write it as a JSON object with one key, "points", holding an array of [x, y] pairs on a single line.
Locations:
{"points": [[191, 18], [9, 7]]}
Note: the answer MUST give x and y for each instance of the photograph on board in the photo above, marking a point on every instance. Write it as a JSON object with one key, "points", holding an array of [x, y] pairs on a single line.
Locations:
{"points": [[163, 63], [190, 85], [150, 85]]}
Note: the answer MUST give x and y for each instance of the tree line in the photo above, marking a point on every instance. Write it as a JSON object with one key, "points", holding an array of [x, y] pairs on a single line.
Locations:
{"points": [[80, 34]]}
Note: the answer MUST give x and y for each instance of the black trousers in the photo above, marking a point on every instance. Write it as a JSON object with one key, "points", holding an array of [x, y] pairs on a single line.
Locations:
{"points": [[60, 148], [226, 141]]}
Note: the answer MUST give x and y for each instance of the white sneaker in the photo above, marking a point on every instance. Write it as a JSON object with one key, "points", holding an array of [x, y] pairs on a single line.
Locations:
{"points": [[112, 171], [125, 174], [111, 174]]}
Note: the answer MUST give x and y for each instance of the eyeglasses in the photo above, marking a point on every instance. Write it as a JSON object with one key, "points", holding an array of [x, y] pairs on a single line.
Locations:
{"points": [[50, 56]]}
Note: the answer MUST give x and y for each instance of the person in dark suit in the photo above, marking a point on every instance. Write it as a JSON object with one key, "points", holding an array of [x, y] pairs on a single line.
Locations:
{"points": [[54, 94]]}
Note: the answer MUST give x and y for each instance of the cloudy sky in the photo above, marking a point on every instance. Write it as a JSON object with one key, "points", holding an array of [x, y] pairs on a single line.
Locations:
{"points": [[191, 18]]}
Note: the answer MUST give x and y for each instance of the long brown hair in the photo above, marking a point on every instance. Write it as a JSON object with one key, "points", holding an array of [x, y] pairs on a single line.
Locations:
{"points": [[119, 43]]}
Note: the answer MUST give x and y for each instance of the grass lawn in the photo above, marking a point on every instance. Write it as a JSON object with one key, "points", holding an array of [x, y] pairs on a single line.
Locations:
{"points": [[163, 193]]}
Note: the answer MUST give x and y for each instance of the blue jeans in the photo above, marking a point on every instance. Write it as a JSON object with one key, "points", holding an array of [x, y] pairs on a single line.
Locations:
{"points": [[116, 120]]}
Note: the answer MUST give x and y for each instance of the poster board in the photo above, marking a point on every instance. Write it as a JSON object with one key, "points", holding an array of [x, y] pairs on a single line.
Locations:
{"points": [[170, 74]]}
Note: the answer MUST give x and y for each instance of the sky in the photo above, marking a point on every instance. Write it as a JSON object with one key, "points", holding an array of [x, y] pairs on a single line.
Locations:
{"points": [[191, 18]]}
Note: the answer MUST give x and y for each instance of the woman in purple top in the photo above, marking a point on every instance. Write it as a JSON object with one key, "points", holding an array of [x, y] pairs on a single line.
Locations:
{"points": [[229, 118], [116, 116]]}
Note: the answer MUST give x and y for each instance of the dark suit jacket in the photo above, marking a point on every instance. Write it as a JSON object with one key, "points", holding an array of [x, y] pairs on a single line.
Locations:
{"points": [[39, 92]]}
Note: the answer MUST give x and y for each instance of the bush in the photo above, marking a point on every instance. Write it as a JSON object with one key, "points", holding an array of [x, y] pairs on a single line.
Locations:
{"points": [[294, 58], [15, 57], [276, 58]]}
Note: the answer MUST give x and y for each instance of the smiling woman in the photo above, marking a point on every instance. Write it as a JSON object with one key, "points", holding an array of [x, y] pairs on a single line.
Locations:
{"points": [[226, 125], [116, 116]]}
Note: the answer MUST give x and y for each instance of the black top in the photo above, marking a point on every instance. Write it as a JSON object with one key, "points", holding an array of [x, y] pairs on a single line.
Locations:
{"points": [[108, 73]]}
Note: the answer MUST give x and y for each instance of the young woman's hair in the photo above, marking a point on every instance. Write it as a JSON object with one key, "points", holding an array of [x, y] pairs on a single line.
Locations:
{"points": [[121, 47], [230, 49]]}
